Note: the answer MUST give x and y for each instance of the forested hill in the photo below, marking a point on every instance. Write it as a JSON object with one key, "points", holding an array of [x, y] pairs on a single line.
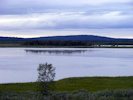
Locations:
{"points": [[77, 37], [71, 37], [81, 38]]}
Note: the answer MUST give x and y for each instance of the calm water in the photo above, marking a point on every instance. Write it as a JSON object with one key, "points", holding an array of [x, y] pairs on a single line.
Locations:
{"points": [[20, 64]]}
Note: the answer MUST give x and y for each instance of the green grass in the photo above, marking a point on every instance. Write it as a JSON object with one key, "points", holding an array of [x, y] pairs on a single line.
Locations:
{"points": [[91, 84], [10, 45], [18, 87]]}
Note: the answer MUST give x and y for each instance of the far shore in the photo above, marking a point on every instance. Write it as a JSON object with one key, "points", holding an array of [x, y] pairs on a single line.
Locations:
{"points": [[37, 46]]}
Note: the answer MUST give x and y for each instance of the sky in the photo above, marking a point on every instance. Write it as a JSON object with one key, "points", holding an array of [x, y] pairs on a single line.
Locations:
{"points": [[38, 18]]}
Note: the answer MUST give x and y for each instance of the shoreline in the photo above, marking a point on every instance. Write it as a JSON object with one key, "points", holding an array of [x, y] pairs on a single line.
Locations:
{"points": [[72, 78], [18, 46]]}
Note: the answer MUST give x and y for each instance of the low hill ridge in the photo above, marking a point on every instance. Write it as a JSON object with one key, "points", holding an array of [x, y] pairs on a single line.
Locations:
{"points": [[69, 37]]}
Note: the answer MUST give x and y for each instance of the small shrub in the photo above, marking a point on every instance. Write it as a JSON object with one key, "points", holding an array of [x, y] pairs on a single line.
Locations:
{"points": [[76, 95]]}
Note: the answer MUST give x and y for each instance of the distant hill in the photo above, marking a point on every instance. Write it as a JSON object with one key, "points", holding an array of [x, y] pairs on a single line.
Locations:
{"points": [[10, 38], [70, 37], [80, 37]]}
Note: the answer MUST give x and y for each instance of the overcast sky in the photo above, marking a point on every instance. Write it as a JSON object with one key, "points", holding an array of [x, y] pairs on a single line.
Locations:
{"points": [[35, 18]]}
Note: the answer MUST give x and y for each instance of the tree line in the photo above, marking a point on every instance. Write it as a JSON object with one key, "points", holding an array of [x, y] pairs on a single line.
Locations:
{"points": [[55, 43], [74, 43]]}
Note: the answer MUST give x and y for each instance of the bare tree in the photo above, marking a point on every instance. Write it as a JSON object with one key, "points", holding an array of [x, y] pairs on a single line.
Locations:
{"points": [[45, 79]]}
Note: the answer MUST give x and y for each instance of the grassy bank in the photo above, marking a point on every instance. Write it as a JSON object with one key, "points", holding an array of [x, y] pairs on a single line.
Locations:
{"points": [[10, 45], [80, 88], [91, 84], [94, 84]]}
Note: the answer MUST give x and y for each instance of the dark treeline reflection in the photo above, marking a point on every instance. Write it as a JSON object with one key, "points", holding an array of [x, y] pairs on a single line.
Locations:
{"points": [[56, 51]]}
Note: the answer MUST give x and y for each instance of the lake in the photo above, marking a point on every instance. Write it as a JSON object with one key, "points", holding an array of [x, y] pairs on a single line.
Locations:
{"points": [[20, 64]]}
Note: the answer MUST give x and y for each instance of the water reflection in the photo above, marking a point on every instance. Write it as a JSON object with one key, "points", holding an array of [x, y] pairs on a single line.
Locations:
{"points": [[57, 51]]}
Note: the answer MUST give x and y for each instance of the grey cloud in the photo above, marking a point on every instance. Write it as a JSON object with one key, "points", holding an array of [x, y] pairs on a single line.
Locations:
{"points": [[43, 6], [67, 20], [58, 14]]}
